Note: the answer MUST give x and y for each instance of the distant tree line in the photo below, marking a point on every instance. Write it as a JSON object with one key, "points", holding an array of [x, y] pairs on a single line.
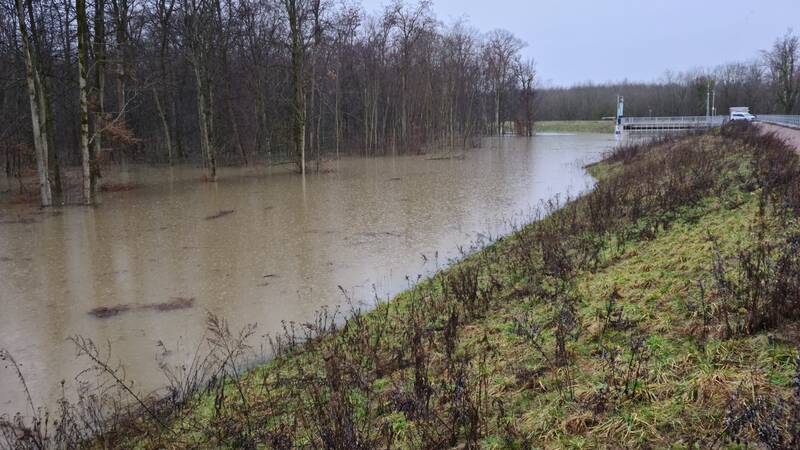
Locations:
{"points": [[769, 84], [233, 81]]}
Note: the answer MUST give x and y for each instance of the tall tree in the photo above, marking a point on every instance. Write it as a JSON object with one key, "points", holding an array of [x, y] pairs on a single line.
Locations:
{"points": [[526, 75], [783, 64], [121, 16], [83, 90], [295, 13], [500, 52], [99, 91], [161, 22], [37, 98], [198, 26]]}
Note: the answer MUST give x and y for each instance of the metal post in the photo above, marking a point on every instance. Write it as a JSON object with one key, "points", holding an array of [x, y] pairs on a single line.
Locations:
{"points": [[713, 102]]}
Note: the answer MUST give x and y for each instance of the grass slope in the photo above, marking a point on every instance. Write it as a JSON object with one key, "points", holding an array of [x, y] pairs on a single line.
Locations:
{"points": [[574, 126]]}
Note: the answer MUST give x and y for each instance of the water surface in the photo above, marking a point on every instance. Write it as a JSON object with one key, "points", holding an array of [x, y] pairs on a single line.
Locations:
{"points": [[260, 246]]}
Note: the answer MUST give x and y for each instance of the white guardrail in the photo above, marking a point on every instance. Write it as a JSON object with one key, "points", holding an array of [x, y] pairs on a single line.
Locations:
{"points": [[791, 121], [671, 123]]}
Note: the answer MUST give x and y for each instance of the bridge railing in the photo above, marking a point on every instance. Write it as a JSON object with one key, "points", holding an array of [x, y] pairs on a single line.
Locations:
{"points": [[792, 121], [687, 121]]}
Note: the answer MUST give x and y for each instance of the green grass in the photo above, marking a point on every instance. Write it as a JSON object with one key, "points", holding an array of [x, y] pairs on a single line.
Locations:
{"points": [[574, 126]]}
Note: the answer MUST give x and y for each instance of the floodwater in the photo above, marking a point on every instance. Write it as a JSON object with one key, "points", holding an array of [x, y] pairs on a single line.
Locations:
{"points": [[259, 246]]}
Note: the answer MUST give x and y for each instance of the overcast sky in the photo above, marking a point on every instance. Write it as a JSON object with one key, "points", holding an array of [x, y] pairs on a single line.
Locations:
{"points": [[574, 41]]}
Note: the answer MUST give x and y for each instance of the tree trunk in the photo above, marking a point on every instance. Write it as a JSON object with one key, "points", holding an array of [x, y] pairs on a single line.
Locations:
{"points": [[497, 112], [205, 122], [237, 138], [164, 126], [337, 116], [121, 18], [298, 91], [38, 110], [80, 10], [100, 85]]}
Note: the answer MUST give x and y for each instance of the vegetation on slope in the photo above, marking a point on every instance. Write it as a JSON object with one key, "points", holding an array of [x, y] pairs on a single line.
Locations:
{"points": [[574, 126], [659, 310]]}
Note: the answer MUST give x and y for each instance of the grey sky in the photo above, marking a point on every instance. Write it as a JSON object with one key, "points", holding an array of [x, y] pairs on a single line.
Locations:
{"points": [[609, 40]]}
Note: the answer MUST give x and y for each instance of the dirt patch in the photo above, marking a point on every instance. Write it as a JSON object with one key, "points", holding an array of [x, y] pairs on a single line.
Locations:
{"points": [[175, 303], [222, 213]]}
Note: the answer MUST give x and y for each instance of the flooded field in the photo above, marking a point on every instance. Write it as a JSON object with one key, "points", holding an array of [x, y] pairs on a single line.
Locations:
{"points": [[260, 246]]}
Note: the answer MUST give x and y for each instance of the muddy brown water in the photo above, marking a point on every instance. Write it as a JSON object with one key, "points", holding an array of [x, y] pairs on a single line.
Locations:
{"points": [[259, 246]]}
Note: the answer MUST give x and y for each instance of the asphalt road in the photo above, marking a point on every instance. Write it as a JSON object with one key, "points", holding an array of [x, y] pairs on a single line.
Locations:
{"points": [[790, 135]]}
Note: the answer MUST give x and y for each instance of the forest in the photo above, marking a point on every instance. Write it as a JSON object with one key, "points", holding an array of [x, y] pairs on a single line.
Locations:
{"points": [[242, 82], [238, 81]]}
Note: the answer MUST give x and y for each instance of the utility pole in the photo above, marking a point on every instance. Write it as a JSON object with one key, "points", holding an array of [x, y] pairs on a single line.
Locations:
{"points": [[714, 102]]}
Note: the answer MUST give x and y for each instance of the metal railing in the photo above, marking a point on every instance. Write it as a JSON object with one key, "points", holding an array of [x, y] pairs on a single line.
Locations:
{"points": [[790, 121], [667, 123]]}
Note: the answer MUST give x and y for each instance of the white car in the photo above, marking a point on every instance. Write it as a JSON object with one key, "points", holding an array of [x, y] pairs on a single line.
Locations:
{"points": [[743, 116]]}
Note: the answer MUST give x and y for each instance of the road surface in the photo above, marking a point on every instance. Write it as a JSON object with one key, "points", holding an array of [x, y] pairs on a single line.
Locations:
{"points": [[790, 135]]}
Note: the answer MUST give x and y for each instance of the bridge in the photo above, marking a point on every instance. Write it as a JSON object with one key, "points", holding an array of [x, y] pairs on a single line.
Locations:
{"points": [[784, 121], [668, 124], [659, 125]]}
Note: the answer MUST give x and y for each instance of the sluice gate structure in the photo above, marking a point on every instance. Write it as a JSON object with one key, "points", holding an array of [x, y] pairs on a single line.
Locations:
{"points": [[662, 125], [669, 124]]}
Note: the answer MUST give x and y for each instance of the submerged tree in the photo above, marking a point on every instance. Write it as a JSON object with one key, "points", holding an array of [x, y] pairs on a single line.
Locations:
{"points": [[198, 19], [37, 97], [500, 52], [83, 89], [526, 76], [296, 15], [228, 81]]}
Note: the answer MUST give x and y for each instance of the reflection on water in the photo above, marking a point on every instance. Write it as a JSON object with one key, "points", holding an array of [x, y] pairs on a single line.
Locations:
{"points": [[258, 246]]}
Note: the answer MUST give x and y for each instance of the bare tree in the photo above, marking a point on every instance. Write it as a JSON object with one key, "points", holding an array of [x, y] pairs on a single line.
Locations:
{"points": [[99, 91], [231, 81], [121, 15], [526, 75], [162, 28], [500, 52], [198, 26], [83, 91], [783, 64], [37, 98], [296, 11]]}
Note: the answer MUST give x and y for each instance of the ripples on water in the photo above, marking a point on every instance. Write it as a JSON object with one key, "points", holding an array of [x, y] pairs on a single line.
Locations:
{"points": [[260, 246]]}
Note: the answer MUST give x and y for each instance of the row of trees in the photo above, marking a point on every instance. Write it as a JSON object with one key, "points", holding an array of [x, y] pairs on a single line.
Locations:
{"points": [[230, 81], [768, 84]]}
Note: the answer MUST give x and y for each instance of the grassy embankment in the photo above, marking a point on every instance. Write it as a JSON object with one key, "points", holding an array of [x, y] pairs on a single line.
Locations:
{"points": [[660, 310], [574, 126]]}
